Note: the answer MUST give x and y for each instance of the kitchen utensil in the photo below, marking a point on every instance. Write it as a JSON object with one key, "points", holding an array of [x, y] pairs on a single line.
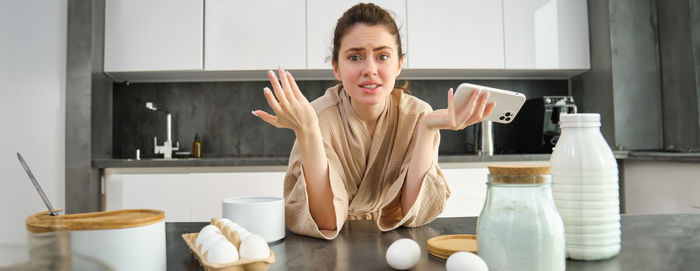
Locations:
{"points": [[36, 185], [263, 216]]}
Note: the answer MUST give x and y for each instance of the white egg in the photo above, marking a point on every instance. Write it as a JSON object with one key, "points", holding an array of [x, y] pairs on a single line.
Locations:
{"points": [[224, 220], [403, 254], [211, 241], [463, 261], [243, 233], [205, 233], [254, 247], [233, 226], [222, 252]]}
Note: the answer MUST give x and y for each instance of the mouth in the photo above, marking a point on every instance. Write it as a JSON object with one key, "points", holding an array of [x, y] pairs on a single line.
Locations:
{"points": [[369, 87]]}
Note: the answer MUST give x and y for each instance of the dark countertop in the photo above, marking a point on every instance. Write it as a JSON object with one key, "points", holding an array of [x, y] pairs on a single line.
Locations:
{"points": [[282, 161], [649, 242]]}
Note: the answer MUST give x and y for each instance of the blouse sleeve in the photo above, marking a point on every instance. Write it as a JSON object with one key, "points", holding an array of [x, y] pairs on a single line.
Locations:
{"points": [[429, 203], [297, 213]]}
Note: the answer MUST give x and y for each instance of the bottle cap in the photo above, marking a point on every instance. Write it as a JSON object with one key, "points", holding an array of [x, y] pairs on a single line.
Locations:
{"points": [[579, 120], [519, 174]]}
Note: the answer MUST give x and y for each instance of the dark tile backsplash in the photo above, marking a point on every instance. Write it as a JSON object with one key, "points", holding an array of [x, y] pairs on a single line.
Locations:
{"points": [[220, 113]]}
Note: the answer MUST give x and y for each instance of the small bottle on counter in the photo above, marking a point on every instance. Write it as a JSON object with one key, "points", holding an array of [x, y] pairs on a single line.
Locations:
{"points": [[197, 147]]}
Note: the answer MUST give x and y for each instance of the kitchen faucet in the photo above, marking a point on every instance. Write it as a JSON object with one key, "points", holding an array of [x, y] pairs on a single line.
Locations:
{"points": [[167, 148]]}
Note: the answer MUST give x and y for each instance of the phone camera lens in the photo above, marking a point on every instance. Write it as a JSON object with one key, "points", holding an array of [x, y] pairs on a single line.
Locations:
{"points": [[501, 118], [508, 114], [507, 119]]}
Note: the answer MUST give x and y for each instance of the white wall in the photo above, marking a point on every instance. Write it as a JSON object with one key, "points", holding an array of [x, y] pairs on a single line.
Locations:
{"points": [[657, 187], [32, 109]]}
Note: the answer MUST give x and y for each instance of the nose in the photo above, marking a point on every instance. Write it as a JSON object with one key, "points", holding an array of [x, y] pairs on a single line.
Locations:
{"points": [[370, 68]]}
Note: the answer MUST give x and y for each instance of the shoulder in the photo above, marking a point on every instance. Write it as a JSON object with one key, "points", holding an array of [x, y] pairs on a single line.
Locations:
{"points": [[412, 105]]}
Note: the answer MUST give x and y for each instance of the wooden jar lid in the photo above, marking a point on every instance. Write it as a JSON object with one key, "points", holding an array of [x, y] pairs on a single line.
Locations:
{"points": [[118, 219], [519, 174], [445, 245]]}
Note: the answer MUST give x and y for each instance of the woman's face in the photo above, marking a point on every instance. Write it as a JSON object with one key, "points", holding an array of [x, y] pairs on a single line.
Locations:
{"points": [[368, 63]]}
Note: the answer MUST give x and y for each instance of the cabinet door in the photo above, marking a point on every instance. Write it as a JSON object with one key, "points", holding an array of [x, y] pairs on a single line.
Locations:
{"points": [[167, 192], [154, 35], [210, 189], [322, 17], [546, 34], [468, 187], [254, 35], [455, 34]]}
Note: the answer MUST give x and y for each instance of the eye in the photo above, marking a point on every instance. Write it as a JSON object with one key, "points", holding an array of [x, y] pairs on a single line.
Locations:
{"points": [[354, 58], [383, 57]]}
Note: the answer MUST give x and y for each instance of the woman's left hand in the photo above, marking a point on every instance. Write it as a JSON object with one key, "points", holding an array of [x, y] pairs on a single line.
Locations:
{"points": [[474, 111]]}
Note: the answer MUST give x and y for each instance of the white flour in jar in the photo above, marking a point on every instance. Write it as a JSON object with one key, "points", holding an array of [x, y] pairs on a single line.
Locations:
{"points": [[515, 236]]}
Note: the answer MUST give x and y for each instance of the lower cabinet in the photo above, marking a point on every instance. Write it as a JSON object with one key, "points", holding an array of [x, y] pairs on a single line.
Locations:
{"points": [[660, 187], [197, 196]]}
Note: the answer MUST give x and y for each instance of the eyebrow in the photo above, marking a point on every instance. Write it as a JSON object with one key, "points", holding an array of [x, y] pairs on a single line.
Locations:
{"points": [[360, 49]]}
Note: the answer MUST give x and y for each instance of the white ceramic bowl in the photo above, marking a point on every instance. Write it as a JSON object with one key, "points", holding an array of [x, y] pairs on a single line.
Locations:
{"points": [[263, 216]]}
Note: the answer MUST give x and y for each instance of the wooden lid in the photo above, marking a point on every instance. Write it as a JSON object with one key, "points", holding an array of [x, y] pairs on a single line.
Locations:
{"points": [[519, 170], [119, 219], [444, 245]]}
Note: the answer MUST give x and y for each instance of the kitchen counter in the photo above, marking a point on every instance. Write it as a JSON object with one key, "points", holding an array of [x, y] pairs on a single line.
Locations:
{"points": [[649, 242], [283, 161]]}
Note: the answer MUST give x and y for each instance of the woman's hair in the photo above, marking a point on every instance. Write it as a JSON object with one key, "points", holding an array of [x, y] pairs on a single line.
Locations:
{"points": [[369, 14]]}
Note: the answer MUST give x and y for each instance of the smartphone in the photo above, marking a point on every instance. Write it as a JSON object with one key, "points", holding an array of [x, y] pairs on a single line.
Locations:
{"points": [[508, 103]]}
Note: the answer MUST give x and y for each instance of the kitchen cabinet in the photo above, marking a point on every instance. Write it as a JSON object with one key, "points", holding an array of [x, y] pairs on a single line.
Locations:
{"points": [[182, 195], [546, 34], [660, 187], [321, 19], [254, 35], [468, 187], [455, 34], [154, 35]]}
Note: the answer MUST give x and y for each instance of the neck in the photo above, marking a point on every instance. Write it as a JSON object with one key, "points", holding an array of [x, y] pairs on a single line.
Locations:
{"points": [[369, 114]]}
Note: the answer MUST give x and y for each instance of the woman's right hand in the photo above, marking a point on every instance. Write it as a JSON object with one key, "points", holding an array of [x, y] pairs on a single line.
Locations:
{"points": [[291, 108]]}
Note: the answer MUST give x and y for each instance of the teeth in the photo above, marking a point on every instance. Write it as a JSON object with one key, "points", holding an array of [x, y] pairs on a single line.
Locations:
{"points": [[369, 86]]}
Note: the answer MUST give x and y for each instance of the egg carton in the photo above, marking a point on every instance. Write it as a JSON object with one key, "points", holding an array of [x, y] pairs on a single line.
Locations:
{"points": [[234, 238]]}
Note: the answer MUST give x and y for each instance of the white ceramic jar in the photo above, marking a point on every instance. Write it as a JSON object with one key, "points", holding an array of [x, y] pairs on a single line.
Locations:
{"points": [[585, 188]]}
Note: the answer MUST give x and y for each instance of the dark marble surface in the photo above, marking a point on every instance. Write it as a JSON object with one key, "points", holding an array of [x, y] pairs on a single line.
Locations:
{"points": [[283, 160], [220, 113], [649, 242]]}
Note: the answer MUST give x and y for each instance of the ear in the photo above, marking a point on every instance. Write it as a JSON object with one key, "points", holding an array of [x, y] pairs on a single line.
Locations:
{"points": [[400, 65], [336, 71]]}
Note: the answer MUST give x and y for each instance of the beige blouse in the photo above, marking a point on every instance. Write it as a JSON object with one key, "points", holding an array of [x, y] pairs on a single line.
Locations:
{"points": [[366, 172]]}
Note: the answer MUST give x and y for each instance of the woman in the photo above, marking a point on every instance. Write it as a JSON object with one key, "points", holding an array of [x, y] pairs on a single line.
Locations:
{"points": [[365, 149]]}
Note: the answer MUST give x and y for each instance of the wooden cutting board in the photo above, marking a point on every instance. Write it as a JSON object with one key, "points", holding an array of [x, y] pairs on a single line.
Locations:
{"points": [[118, 219]]}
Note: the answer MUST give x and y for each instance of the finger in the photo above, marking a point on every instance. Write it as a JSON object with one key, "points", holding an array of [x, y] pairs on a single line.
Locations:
{"points": [[295, 87], [272, 120], [271, 100], [451, 107], [479, 112], [488, 110], [279, 92], [285, 83], [471, 104]]}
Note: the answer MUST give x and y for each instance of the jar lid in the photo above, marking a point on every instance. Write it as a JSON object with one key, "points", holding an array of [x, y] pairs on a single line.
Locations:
{"points": [[519, 174], [579, 120], [445, 245], [117, 219]]}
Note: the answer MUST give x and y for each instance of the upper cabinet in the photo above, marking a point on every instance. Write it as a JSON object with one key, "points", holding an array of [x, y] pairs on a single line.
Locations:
{"points": [[321, 19], [254, 35], [154, 35], [455, 34], [546, 34], [205, 40]]}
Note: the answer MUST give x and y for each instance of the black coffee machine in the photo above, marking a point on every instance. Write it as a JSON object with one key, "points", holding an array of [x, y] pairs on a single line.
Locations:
{"points": [[537, 124]]}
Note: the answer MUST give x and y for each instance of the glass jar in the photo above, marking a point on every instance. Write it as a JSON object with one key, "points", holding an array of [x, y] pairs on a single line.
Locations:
{"points": [[519, 227]]}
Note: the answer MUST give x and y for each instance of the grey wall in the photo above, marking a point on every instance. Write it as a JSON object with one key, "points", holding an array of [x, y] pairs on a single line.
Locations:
{"points": [[624, 83], [88, 105], [677, 41], [220, 113]]}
